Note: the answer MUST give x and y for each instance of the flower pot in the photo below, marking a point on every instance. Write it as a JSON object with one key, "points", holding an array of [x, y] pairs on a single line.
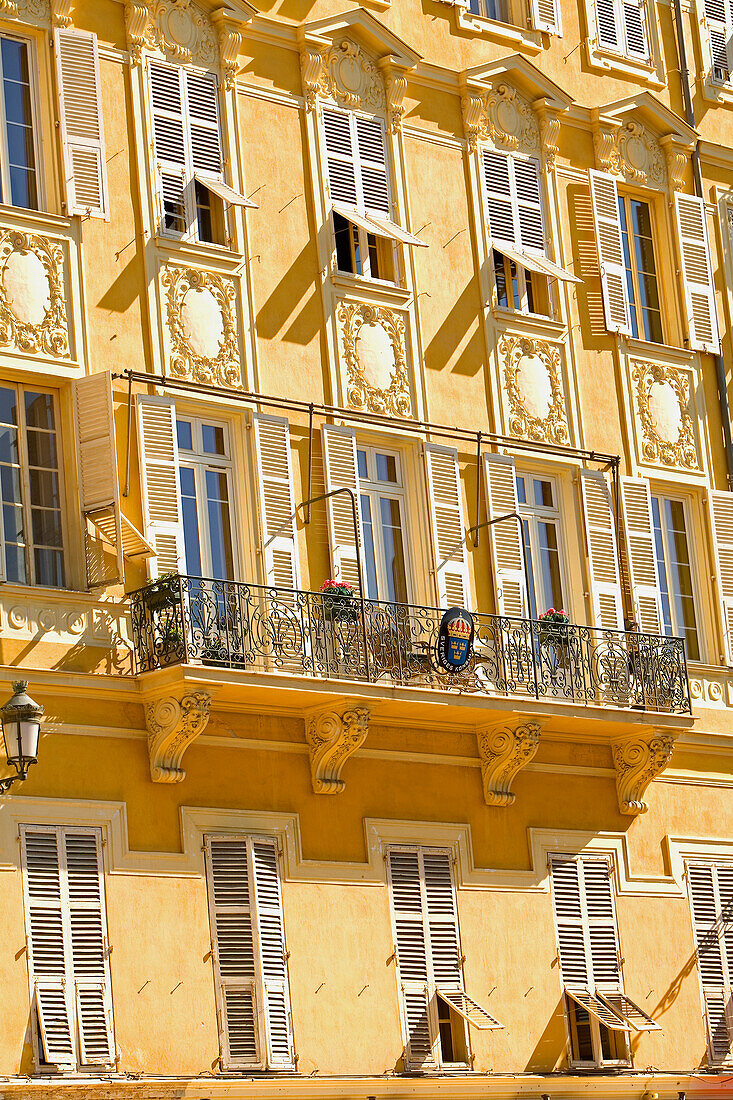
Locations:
{"points": [[162, 594], [339, 607]]}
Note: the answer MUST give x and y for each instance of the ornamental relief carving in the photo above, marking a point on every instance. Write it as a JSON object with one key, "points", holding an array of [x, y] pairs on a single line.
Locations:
{"points": [[344, 73], [173, 27], [631, 151], [32, 304], [39, 12], [373, 345], [202, 326], [501, 116], [663, 405], [533, 387]]}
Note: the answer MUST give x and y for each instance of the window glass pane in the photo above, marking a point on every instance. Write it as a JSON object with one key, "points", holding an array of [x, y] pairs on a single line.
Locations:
{"points": [[680, 574], [627, 265], [662, 567], [549, 554], [373, 256], [43, 480], [543, 494], [370, 561], [521, 491], [502, 297], [648, 294], [39, 410], [190, 522], [203, 213], [387, 468], [342, 234], [49, 565], [213, 439], [394, 551], [361, 464], [356, 250], [530, 571], [19, 123], [185, 435], [220, 528], [15, 565]]}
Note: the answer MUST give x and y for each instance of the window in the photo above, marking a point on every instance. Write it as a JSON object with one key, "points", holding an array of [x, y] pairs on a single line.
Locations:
{"points": [[30, 482], [541, 522], [18, 144], [675, 572], [523, 273], [205, 472], [435, 1007], [360, 252], [68, 954], [622, 28], [382, 508], [188, 153], [491, 9], [600, 1015], [711, 897], [641, 269], [250, 960], [719, 20]]}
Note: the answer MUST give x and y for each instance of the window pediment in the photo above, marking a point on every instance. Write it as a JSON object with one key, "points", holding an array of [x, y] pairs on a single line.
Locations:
{"points": [[642, 141], [185, 32]]}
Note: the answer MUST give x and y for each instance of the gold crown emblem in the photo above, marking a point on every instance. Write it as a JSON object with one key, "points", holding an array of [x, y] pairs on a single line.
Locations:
{"points": [[459, 628]]}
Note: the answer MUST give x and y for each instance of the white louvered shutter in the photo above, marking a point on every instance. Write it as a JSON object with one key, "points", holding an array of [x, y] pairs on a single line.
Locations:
{"points": [[635, 29], [585, 918], [604, 199], [356, 156], [600, 536], [643, 573], [412, 956], [697, 273], [711, 897], [498, 191], [173, 166], [340, 157], [566, 895], [506, 543], [272, 955], [341, 471], [158, 453], [95, 440], [607, 23], [602, 936], [233, 945], [372, 165], [274, 473], [82, 128], [719, 22], [202, 104], [546, 16], [442, 919], [449, 538], [528, 197], [720, 505]]}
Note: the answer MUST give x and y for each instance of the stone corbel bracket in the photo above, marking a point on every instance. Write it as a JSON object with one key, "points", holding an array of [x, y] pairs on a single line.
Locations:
{"points": [[549, 122], [230, 32], [173, 724], [333, 735], [637, 761], [395, 86], [504, 751], [605, 133], [677, 155]]}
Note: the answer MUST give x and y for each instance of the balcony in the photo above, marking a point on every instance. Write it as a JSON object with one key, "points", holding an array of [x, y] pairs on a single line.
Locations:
{"points": [[253, 629]]}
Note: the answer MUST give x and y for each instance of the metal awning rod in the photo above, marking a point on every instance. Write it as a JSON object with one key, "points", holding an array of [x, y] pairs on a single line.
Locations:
{"points": [[372, 419]]}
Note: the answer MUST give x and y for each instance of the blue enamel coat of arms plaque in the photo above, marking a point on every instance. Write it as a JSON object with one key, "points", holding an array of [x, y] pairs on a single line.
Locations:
{"points": [[455, 640]]}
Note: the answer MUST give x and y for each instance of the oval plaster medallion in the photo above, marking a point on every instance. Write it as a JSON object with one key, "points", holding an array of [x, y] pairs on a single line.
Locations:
{"points": [[178, 27], [27, 287], [664, 409], [535, 388], [202, 322], [507, 116], [376, 356]]}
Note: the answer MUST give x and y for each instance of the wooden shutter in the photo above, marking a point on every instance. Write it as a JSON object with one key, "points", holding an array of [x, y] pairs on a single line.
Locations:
{"points": [[272, 954], [202, 103], [607, 23], [643, 573], [341, 471], [173, 165], [635, 32], [719, 22], [605, 963], [506, 543], [604, 199], [273, 470], [546, 16], [498, 191], [233, 946], [158, 453], [449, 537], [82, 129], [566, 895], [600, 535], [372, 165], [720, 505], [340, 157], [697, 273], [711, 898], [406, 895], [528, 198]]}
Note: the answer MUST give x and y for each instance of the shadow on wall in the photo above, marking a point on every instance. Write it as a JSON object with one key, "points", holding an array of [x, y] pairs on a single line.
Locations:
{"points": [[669, 997], [451, 334], [279, 311], [550, 1051]]}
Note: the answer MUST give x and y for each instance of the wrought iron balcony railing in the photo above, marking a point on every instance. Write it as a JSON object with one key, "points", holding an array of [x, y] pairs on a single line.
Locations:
{"points": [[246, 626]]}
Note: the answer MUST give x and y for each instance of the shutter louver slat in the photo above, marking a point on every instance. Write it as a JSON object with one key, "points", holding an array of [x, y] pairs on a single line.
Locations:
{"points": [[277, 501], [82, 131], [55, 1023], [417, 1019], [95, 1040], [692, 229], [720, 505], [506, 544], [598, 1008], [446, 510], [470, 1010], [604, 198], [203, 120], [341, 471], [566, 892], [607, 26], [644, 576], [546, 16], [600, 530], [624, 1007], [373, 166], [634, 16], [442, 919], [162, 514]]}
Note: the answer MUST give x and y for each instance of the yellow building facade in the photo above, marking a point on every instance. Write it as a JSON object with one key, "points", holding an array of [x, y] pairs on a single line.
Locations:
{"points": [[432, 301]]}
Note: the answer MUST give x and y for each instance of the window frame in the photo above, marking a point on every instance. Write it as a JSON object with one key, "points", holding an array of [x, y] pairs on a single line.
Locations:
{"points": [[36, 125], [201, 461], [685, 499], [398, 491], [628, 196], [535, 514]]}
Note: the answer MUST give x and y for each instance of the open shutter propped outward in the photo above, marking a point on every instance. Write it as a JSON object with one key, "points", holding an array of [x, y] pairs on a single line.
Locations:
{"points": [[341, 472], [449, 538], [604, 199], [506, 542], [642, 558], [720, 506], [277, 501], [82, 129], [697, 273], [711, 897], [600, 534], [161, 492]]}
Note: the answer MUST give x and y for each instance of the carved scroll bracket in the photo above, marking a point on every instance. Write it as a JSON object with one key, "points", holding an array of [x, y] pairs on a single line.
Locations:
{"points": [[333, 735], [549, 121], [395, 86], [638, 761], [677, 155], [230, 33], [605, 133], [173, 724], [499, 114], [504, 751]]}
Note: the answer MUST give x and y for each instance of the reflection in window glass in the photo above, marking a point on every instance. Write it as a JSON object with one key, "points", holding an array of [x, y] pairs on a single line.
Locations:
{"points": [[541, 526], [20, 146]]}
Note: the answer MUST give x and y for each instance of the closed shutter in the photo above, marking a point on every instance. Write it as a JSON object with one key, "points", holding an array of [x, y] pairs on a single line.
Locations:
{"points": [[711, 897], [356, 157], [498, 190], [341, 472], [340, 157], [506, 543], [529, 204], [643, 572], [697, 273], [607, 25], [158, 453], [546, 16], [600, 534], [233, 945], [719, 22], [604, 198], [173, 168], [82, 129], [412, 956], [273, 470], [449, 540], [635, 33], [720, 505], [273, 958], [513, 195], [67, 937], [202, 104], [372, 165]]}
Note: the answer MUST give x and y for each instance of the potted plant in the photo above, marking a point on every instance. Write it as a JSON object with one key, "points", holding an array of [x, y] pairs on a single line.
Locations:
{"points": [[338, 601], [162, 593], [554, 628]]}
